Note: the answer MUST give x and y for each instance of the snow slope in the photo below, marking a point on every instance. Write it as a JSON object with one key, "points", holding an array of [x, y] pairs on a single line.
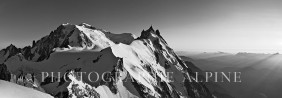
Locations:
{"points": [[11, 90]]}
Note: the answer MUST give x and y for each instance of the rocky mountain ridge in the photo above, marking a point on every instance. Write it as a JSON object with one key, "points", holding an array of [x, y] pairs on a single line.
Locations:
{"points": [[83, 48]]}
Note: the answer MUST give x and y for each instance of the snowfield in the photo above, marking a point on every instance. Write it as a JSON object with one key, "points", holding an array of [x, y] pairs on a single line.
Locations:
{"points": [[11, 90]]}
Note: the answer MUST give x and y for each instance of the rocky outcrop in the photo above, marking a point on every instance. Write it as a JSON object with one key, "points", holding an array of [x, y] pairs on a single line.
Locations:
{"points": [[4, 73]]}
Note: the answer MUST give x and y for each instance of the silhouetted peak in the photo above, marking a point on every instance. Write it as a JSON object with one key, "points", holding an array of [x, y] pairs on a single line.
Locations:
{"points": [[145, 34], [11, 50], [11, 46], [151, 28]]}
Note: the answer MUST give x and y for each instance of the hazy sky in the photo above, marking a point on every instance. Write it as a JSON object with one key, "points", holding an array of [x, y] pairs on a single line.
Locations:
{"points": [[199, 25]]}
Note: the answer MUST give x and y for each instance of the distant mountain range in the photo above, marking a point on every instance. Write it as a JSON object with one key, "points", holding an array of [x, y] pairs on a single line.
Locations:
{"points": [[261, 73]]}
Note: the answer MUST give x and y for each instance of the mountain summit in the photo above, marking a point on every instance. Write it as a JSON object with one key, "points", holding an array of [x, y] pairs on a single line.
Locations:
{"points": [[79, 37], [134, 67]]}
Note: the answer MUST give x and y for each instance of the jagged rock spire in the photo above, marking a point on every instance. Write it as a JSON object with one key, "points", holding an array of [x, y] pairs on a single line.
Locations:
{"points": [[151, 28]]}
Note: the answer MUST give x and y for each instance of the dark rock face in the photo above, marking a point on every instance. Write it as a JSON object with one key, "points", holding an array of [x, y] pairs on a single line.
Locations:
{"points": [[26, 52], [9, 52], [44, 47], [4, 73]]}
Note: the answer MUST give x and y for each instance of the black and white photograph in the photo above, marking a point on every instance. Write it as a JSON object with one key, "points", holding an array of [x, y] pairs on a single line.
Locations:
{"points": [[140, 48]]}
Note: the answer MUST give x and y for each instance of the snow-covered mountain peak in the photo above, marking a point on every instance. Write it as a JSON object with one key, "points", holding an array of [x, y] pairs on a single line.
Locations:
{"points": [[70, 37], [137, 67], [85, 25], [69, 26], [64, 24]]}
